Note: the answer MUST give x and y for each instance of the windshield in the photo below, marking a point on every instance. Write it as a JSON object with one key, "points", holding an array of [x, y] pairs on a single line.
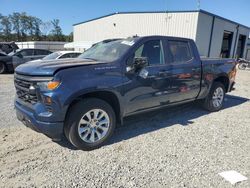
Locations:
{"points": [[107, 51], [52, 56]]}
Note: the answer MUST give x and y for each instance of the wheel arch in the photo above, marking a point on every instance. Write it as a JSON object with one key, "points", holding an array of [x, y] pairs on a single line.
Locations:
{"points": [[224, 80], [108, 96]]}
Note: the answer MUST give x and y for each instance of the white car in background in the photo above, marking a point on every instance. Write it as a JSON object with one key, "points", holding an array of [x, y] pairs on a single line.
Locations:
{"points": [[60, 55]]}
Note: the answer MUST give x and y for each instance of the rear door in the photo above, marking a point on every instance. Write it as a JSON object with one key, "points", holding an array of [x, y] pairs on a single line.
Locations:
{"points": [[184, 68]]}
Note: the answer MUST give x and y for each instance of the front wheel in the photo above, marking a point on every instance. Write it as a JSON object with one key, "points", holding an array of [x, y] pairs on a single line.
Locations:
{"points": [[90, 123], [214, 100]]}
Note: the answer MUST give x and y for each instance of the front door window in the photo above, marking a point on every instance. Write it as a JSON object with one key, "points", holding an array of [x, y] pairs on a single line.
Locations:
{"points": [[153, 50]]}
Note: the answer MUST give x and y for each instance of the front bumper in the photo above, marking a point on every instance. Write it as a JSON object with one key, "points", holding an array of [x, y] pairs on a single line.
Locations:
{"points": [[53, 130]]}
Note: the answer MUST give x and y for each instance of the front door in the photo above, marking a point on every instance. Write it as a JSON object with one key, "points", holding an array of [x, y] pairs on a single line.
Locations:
{"points": [[144, 89]]}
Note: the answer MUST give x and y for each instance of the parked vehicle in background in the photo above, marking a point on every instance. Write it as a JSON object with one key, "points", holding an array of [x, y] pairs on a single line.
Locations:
{"points": [[85, 98], [8, 47], [24, 55], [20, 56], [60, 55], [243, 64]]}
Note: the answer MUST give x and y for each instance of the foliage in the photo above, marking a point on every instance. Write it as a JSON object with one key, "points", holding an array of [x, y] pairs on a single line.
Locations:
{"points": [[22, 27]]}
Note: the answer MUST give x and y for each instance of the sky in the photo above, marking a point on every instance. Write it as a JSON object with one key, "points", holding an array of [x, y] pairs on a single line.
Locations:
{"points": [[75, 11]]}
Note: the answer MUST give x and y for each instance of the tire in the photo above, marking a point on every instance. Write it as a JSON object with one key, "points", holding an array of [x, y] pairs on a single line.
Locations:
{"points": [[209, 102], [81, 134], [242, 66], [2, 68]]}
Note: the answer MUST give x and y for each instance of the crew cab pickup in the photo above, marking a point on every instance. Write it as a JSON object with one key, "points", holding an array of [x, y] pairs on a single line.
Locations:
{"points": [[85, 98]]}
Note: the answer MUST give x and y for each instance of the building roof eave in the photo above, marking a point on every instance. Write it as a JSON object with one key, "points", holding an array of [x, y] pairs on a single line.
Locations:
{"points": [[178, 11]]}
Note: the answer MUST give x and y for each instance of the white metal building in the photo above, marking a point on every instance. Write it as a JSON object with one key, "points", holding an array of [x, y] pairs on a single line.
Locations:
{"points": [[215, 36], [248, 50]]}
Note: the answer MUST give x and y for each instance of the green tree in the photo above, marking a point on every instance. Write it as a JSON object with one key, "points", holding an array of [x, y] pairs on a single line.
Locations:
{"points": [[16, 22], [5, 27], [69, 38], [36, 22], [24, 25], [57, 30], [45, 29], [1, 27]]}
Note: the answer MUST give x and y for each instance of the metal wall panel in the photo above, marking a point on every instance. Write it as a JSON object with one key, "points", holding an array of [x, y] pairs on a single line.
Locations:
{"points": [[246, 32], [203, 34], [204, 30], [247, 56], [141, 24]]}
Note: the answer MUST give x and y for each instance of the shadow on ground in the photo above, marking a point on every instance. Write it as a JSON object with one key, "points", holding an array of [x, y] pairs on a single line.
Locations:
{"points": [[151, 121]]}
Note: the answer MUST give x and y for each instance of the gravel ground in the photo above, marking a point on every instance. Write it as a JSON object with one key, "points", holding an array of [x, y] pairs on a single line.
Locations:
{"points": [[178, 147]]}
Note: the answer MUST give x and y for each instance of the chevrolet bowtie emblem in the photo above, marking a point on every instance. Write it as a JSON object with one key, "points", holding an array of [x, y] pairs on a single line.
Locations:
{"points": [[31, 88]]}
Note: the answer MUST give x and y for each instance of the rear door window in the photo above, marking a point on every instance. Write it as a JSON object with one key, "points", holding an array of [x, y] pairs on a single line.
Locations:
{"points": [[180, 51]]}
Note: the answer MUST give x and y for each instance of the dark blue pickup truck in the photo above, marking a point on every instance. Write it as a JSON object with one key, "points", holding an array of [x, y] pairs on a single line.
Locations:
{"points": [[85, 98]]}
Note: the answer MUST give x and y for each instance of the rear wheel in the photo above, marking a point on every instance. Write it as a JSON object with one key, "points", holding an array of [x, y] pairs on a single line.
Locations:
{"points": [[2, 68], [214, 100], [90, 124]]}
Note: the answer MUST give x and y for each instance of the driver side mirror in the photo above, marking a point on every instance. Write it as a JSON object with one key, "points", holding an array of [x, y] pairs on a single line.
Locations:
{"points": [[136, 64]]}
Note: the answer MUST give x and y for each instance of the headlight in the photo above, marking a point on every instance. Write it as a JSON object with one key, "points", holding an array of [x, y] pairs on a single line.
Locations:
{"points": [[51, 85]]}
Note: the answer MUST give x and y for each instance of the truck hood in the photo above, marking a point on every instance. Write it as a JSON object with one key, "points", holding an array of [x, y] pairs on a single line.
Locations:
{"points": [[49, 67]]}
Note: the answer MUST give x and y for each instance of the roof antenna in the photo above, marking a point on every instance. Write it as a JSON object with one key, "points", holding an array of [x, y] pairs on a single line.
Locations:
{"points": [[198, 4]]}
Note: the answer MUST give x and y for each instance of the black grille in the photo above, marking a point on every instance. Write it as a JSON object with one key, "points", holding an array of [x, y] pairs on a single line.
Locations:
{"points": [[25, 91]]}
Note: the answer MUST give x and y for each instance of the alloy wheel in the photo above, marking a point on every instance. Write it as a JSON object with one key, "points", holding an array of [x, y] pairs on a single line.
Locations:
{"points": [[93, 125], [218, 97]]}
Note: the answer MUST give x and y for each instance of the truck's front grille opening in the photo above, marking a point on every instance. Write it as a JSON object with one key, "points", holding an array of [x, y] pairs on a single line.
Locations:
{"points": [[25, 90]]}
